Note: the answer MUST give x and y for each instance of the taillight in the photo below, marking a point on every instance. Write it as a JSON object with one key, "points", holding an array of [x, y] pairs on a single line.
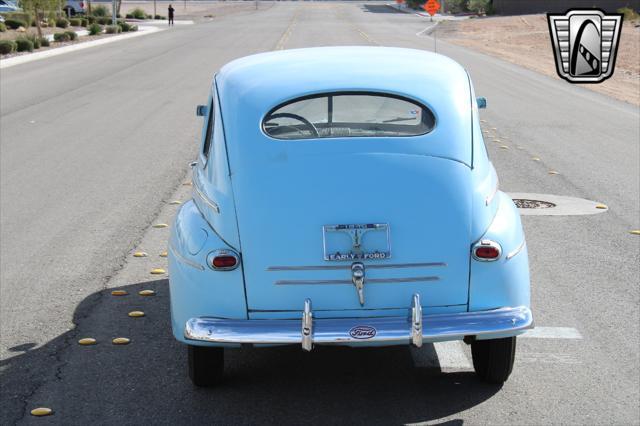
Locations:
{"points": [[81, 5], [486, 251], [223, 260]]}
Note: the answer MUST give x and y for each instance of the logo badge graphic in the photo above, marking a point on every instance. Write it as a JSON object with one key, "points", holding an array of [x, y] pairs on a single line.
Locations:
{"points": [[362, 332], [585, 43]]}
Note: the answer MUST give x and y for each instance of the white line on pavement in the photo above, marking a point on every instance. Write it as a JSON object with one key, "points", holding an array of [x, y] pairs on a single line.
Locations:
{"points": [[6, 63], [553, 333], [419, 33]]}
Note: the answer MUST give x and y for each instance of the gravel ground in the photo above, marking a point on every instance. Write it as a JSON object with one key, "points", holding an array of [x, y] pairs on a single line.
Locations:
{"points": [[524, 40]]}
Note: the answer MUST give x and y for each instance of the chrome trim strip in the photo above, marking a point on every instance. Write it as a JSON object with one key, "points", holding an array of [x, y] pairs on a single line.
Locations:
{"points": [[348, 267], [184, 260], [416, 321], [307, 326], [369, 281], [517, 250], [204, 198], [390, 330], [491, 196]]}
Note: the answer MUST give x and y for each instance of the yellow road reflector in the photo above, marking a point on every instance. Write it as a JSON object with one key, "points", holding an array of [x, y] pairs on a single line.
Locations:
{"points": [[146, 292], [41, 411], [119, 293], [175, 202], [635, 232], [140, 254], [158, 271], [164, 254], [535, 158], [187, 184], [553, 172], [504, 147], [136, 314], [160, 225], [121, 341], [87, 341], [601, 206]]}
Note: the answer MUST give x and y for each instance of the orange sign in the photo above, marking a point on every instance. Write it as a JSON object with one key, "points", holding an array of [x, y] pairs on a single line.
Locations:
{"points": [[431, 6]]}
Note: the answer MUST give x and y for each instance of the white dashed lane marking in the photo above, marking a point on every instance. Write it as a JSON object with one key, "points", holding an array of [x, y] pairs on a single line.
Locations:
{"points": [[553, 333]]}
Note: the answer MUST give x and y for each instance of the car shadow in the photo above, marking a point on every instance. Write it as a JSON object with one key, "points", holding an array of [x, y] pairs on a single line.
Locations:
{"points": [[146, 381]]}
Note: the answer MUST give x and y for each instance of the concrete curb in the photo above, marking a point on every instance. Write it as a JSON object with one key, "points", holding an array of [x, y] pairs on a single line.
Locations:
{"points": [[10, 62]]}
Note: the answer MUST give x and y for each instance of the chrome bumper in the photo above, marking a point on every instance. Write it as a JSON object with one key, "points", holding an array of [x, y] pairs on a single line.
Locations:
{"points": [[394, 330]]}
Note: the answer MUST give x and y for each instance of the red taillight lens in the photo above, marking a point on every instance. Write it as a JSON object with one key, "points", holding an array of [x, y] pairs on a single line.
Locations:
{"points": [[487, 252], [224, 261], [82, 5]]}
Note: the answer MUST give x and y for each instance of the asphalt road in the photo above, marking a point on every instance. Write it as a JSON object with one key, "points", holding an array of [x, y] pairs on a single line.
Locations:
{"points": [[94, 145]]}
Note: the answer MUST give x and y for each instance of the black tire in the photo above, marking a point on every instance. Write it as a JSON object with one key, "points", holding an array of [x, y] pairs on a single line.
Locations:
{"points": [[493, 359], [206, 365]]}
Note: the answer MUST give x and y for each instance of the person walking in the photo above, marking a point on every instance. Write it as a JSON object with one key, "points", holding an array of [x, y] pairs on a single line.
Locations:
{"points": [[171, 10]]}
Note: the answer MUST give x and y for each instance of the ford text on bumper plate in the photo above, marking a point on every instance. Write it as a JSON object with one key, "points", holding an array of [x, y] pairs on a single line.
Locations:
{"points": [[395, 330]]}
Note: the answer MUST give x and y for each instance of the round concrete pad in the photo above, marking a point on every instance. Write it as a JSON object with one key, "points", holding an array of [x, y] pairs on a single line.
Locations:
{"points": [[565, 206]]}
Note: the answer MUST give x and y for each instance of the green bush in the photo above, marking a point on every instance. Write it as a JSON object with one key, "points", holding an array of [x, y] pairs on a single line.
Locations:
{"points": [[24, 45], [75, 22], [138, 13], [629, 14], [125, 27], [60, 37], [129, 16], [84, 22], [104, 21], [160, 17], [44, 42], [149, 17], [7, 46], [100, 10], [72, 35], [33, 38], [91, 19], [112, 29], [479, 6], [20, 16], [94, 29], [456, 6], [133, 28], [3, 27], [62, 23], [14, 24]]}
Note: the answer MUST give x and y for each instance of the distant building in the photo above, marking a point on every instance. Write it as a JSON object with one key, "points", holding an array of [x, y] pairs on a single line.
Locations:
{"points": [[519, 7]]}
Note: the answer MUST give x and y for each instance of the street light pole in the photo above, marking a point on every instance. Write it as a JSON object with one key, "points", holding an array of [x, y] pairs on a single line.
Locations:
{"points": [[113, 12]]}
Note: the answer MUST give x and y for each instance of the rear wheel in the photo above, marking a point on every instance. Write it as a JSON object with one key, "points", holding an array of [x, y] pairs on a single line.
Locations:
{"points": [[206, 365], [493, 359]]}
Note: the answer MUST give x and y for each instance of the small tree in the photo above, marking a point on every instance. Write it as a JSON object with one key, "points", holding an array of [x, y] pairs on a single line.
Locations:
{"points": [[479, 6], [39, 8]]}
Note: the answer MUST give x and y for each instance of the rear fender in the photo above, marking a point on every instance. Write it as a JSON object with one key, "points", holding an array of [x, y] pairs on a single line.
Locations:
{"points": [[504, 282], [196, 289]]}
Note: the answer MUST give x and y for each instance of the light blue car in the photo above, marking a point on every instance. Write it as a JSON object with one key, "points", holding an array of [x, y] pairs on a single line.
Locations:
{"points": [[343, 196]]}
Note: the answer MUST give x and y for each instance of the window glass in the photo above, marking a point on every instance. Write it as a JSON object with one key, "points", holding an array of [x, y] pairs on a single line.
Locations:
{"points": [[209, 135], [348, 115]]}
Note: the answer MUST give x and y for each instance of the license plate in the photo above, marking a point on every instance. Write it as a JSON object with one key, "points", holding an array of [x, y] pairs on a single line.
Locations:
{"points": [[356, 241]]}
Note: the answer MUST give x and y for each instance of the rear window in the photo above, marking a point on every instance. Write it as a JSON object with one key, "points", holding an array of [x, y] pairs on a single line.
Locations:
{"points": [[339, 115]]}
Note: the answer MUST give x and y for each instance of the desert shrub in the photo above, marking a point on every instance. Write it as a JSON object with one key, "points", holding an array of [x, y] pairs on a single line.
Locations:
{"points": [[62, 23], [100, 10], [3, 27], [75, 22], [91, 20], [94, 29], [44, 42], [149, 17], [112, 29], [125, 27], [456, 6], [60, 37], [160, 17], [133, 28], [14, 24], [629, 14], [129, 16], [104, 21], [138, 13], [33, 38], [72, 35], [24, 45], [478, 6], [20, 16], [7, 46]]}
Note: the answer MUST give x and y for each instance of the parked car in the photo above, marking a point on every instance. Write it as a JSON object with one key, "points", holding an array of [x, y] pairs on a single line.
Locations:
{"points": [[343, 196], [8, 6], [73, 7]]}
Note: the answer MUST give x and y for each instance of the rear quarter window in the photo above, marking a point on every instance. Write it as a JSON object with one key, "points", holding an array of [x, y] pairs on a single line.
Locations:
{"points": [[339, 115]]}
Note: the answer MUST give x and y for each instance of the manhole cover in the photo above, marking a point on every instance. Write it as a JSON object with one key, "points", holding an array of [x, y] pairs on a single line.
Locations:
{"points": [[523, 203]]}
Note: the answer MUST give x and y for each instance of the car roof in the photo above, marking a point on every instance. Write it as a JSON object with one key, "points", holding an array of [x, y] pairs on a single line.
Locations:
{"points": [[287, 74]]}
